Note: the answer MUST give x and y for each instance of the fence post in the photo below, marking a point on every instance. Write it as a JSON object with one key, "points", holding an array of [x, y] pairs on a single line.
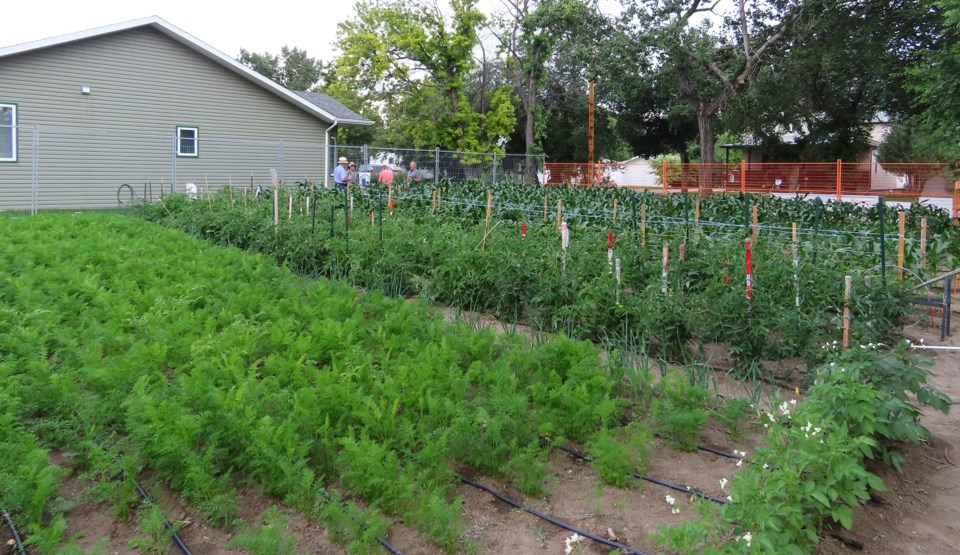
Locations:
{"points": [[173, 180], [494, 167], [35, 169], [839, 180]]}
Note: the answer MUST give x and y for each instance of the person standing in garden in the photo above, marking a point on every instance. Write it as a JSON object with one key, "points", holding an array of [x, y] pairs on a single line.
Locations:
{"points": [[341, 176], [386, 175], [413, 175]]}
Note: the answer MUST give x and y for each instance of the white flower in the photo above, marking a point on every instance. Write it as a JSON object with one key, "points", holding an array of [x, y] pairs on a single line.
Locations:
{"points": [[747, 537], [723, 483], [739, 462], [793, 401], [766, 466], [730, 499], [572, 542], [670, 500]]}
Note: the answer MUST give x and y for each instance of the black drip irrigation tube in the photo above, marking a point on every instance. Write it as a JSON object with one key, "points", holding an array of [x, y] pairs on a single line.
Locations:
{"points": [[166, 523], [16, 535], [550, 519], [663, 483], [707, 449]]}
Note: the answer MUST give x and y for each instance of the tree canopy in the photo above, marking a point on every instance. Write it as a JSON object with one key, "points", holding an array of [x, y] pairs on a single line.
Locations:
{"points": [[670, 75]]}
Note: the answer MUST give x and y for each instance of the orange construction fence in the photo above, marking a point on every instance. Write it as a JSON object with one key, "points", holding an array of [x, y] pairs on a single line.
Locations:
{"points": [[836, 179]]}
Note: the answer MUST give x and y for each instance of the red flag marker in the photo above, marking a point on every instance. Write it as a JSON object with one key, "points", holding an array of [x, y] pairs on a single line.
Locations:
{"points": [[610, 240], [749, 245], [523, 229]]}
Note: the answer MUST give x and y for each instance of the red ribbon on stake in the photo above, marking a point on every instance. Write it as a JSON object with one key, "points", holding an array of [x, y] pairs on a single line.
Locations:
{"points": [[749, 247]]}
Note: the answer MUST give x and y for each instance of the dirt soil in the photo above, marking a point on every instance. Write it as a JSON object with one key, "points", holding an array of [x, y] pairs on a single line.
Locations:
{"points": [[918, 514]]}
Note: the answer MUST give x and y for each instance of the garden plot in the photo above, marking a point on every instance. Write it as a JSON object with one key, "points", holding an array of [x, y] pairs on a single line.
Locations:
{"points": [[349, 408]]}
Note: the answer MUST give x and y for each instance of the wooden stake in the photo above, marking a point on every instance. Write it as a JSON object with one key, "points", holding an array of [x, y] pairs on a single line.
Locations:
{"points": [[923, 243], [643, 225], [796, 265], [756, 230], [308, 206], [433, 201], [696, 211], [663, 269], [902, 228], [683, 251], [847, 286], [614, 211], [559, 211], [489, 205]]}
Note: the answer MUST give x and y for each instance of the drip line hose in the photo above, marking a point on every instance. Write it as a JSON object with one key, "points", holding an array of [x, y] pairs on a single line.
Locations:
{"points": [[663, 483], [13, 530], [166, 523], [550, 519], [707, 449]]}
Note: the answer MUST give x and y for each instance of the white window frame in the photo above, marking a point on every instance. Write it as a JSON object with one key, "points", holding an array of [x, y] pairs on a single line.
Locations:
{"points": [[181, 138], [13, 133]]}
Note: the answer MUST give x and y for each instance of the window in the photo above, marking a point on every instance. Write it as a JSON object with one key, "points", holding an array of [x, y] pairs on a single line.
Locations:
{"points": [[8, 132], [188, 141]]}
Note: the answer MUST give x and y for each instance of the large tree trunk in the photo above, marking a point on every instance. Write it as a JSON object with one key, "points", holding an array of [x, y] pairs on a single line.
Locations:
{"points": [[707, 137]]}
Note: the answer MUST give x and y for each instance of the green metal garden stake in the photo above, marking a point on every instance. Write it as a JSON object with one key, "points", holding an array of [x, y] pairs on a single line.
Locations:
{"points": [[380, 214], [346, 215], [636, 224], [746, 211], [818, 206], [313, 201], [332, 208], [881, 209], [686, 217]]}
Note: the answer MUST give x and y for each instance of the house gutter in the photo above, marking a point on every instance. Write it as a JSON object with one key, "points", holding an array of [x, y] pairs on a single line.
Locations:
{"points": [[326, 144]]}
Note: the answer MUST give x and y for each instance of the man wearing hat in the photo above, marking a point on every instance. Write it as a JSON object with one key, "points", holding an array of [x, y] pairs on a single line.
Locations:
{"points": [[341, 176]]}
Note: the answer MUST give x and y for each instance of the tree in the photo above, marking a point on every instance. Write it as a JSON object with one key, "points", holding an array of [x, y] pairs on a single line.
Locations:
{"points": [[840, 68], [293, 68], [528, 33], [414, 62], [710, 65]]}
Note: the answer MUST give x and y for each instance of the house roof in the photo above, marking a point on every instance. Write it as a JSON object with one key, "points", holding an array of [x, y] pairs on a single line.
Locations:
{"points": [[327, 103], [328, 109]]}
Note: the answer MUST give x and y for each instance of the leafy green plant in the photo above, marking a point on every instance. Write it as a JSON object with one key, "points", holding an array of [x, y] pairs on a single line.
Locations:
{"points": [[615, 454], [680, 412], [270, 535]]}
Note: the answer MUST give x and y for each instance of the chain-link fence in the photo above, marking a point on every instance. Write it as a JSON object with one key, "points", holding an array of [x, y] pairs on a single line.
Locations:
{"points": [[58, 167], [436, 164]]}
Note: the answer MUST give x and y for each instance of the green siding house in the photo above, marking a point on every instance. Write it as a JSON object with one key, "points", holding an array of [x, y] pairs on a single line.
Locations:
{"points": [[119, 113]]}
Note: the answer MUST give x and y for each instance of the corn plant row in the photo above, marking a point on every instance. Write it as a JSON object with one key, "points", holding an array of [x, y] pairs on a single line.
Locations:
{"points": [[523, 202], [218, 367], [665, 294]]}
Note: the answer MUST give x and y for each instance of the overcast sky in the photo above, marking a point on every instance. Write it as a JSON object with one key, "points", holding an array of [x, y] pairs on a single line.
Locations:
{"points": [[265, 27], [228, 27]]}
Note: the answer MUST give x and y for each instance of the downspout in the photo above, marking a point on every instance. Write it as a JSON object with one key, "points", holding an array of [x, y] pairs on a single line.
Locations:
{"points": [[326, 145]]}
